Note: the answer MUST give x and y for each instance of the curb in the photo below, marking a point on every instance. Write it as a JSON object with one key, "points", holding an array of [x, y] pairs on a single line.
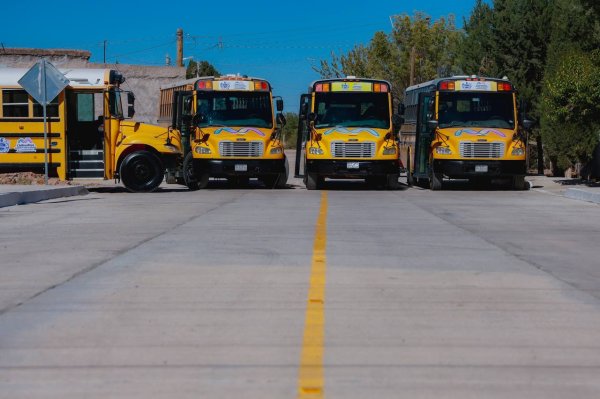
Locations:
{"points": [[575, 193], [43, 194]]}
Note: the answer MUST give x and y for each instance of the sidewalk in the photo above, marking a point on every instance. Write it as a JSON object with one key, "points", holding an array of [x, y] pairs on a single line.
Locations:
{"points": [[16, 194], [569, 188]]}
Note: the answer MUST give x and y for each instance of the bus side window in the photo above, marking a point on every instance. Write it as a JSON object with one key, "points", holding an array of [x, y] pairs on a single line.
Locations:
{"points": [[15, 103]]}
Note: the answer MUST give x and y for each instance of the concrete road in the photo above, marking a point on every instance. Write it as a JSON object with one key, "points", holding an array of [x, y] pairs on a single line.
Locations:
{"points": [[344, 293]]}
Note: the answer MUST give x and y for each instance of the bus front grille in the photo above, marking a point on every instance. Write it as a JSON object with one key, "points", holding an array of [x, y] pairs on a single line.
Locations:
{"points": [[340, 149], [241, 149], [470, 149]]}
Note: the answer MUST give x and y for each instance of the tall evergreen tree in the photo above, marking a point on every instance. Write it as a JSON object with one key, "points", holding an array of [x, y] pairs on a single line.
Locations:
{"points": [[475, 48]]}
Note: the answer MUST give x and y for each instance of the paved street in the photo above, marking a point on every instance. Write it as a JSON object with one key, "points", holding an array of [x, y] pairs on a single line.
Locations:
{"points": [[342, 293]]}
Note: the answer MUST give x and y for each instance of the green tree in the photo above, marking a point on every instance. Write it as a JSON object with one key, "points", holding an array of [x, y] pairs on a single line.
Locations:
{"points": [[475, 48], [202, 68], [571, 105], [290, 130], [432, 45], [569, 113]]}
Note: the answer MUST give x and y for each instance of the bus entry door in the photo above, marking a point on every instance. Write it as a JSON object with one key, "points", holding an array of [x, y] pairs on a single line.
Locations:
{"points": [[424, 135], [302, 134]]}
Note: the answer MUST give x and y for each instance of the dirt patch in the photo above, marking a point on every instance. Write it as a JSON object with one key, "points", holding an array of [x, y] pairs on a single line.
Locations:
{"points": [[29, 178]]}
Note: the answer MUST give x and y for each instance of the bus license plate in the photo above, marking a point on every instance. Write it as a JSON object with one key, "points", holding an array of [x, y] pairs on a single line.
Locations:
{"points": [[481, 168], [241, 167], [353, 165]]}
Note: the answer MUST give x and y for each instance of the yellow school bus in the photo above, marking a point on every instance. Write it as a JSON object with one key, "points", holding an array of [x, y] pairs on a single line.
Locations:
{"points": [[229, 129], [463, 127], [89, 135], [347, 131]]}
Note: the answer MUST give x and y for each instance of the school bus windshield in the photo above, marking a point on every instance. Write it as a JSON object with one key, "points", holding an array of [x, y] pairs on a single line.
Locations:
{"points": [[352, 110], [494, 110], [235, 109]]}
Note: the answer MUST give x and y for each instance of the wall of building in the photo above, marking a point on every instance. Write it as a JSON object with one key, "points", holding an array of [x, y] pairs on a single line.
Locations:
{"points": [[144, 81]]}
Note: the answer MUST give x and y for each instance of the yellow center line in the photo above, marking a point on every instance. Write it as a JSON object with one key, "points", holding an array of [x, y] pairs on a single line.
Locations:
{"points": [[310, 379]]}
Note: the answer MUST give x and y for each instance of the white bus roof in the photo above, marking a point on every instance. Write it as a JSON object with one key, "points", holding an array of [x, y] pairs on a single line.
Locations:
{"points": [[78, 78]]}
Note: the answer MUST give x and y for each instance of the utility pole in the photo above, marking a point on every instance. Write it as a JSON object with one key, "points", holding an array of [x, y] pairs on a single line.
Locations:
{"points": [[179, 47], [105, 51]]}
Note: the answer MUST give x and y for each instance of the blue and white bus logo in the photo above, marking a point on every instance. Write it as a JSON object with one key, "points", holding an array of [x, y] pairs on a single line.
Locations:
{"points": [[4, 145]]}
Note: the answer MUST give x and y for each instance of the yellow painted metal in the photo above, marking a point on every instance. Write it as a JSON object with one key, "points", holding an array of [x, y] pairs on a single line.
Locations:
{"points": [[354, 134], [311, 381], [119, 134]]}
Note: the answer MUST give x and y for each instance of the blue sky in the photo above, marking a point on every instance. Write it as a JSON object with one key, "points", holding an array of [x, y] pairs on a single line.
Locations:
{"points": [[276, 40]]}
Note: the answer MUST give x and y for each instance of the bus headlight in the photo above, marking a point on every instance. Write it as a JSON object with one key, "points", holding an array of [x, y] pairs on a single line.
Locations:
{"points": [[276, 150], [518, 152], [443, 150], [315, 151], [389, 151], [202, 150]]}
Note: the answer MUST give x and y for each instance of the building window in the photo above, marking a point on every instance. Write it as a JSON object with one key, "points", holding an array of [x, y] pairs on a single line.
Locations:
{"points": [[15, 104]]}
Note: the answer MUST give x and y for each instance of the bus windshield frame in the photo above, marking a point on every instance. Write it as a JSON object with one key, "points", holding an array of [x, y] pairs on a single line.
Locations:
{"points": [[343, 109], [476, 109], [235, 108]]}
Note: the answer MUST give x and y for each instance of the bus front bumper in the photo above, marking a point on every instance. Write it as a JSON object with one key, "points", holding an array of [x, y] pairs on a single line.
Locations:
{"points": [[352, 169], [240, 167], [468, 169]]}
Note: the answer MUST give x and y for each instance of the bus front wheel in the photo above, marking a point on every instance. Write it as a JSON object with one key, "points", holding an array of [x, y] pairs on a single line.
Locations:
{"points": [[312, 181], [191, 178], [141, 172], [436, 181], [519, 183]]}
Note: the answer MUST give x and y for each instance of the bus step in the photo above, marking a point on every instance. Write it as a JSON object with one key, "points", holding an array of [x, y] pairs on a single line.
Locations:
{"points": [[87, 155], [87, 173]]}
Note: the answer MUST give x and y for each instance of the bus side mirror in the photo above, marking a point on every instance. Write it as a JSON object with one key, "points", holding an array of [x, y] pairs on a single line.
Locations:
{"points": [[279, 105], [432, 124], [527, 124], [187, 106], [130, 105]]}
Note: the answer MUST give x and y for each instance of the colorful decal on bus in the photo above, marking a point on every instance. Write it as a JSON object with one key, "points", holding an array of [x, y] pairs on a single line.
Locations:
{"points": [[240, 131], [25, 145], [480, 133], [353, 132], [4, 145]]}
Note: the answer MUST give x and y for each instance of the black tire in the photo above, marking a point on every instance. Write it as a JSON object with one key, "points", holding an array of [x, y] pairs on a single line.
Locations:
{"points": [[189, 173], [141, 172], [519, 183], [279, 180], [435, 181], [193, 178], [312, 181], [392, 181]]}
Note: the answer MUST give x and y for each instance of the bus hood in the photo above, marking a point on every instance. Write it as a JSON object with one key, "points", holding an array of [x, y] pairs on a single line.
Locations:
{"points": [[156, 136]]}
